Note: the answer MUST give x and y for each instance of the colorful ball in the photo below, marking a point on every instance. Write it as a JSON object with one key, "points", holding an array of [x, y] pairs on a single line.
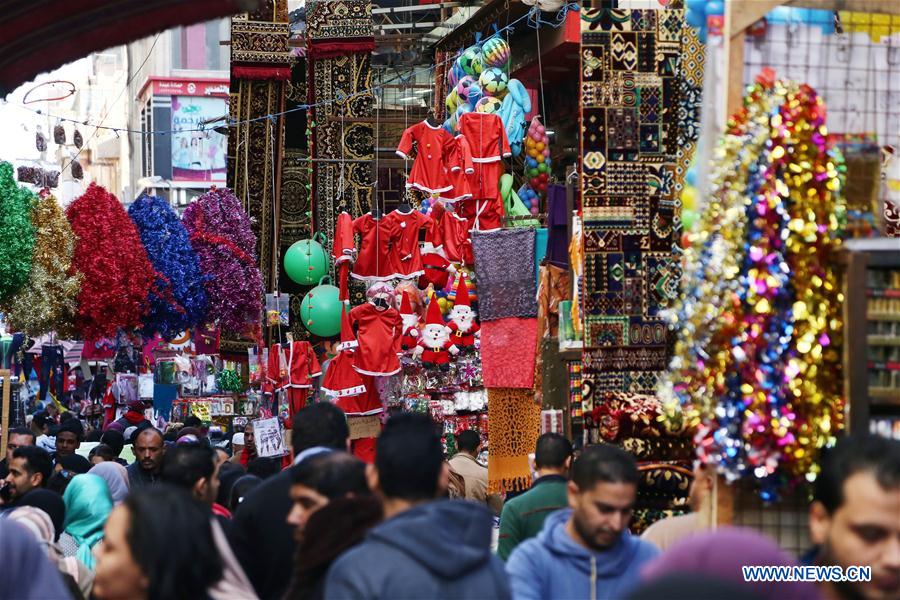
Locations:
{"points": [[462, 88], [470, 60], [495, 52], [452, 100], [493, 81], [475, 94], [489, 105]]}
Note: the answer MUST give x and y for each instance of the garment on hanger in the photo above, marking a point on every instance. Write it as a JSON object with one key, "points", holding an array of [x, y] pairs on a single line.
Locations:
{"points": [[482, 215], [489, 145], [407, 255], [342, 384], [378, 334], [434, 150], [460, 178], [343, 251], [457, 246], [291, 368], [378, 238]]}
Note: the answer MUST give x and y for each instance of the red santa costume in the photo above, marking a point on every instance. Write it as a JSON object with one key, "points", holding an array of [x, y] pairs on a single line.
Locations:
{"points": [[378, 332], [462, 318], [434, 149], [434, 343], [378, 237], [410, 324], [489, 145], [455, 235], [342, 384], [343, 251], [460, 178], [407, 256], [293, 375]]}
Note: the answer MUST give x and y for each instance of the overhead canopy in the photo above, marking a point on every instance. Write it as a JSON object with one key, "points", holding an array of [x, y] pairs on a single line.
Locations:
{"points": [[41, 35]]}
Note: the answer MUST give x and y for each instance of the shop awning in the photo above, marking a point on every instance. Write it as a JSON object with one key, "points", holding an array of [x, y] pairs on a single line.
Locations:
{"points": [[41, 35]]}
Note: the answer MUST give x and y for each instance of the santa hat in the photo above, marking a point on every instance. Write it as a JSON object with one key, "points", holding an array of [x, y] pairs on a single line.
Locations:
{"points": [[405, 306], [462, 292], [348, 340], [433, 317]]}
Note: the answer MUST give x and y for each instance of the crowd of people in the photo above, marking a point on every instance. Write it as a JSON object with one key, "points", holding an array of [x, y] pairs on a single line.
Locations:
{"points": [[191, 518]]}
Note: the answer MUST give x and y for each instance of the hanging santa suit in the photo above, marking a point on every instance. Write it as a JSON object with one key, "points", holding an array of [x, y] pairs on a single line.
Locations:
{"points": [[378, 238], [434, 150], [295, 380], [455, 235], [343, 251], [460, 178], [342, 384], [407, 256], [489, 145], [378, 333]]}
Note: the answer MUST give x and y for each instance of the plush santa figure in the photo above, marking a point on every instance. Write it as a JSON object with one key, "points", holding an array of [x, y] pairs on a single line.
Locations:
{"points": [[434, 343], [410, 324], [463, 327]]}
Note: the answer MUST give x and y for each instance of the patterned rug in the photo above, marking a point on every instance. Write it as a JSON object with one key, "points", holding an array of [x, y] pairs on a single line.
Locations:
{"points": [[631, 76]]}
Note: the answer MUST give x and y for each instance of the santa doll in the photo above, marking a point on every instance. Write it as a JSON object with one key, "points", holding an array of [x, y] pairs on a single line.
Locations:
{"points": [[434, 343], [463, 327], [410, 324]]}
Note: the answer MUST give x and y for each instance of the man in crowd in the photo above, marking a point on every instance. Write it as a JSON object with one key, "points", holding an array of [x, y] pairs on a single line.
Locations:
{"points": [[149, 448], [18, 437], [193, 467], [134, 416], [523, 516], [465, 463], [116, 442], [262, 542], [247, 452], [424, 548], [68, 438], [586, 550], [855, 516], [29, 469], [666, 532]]}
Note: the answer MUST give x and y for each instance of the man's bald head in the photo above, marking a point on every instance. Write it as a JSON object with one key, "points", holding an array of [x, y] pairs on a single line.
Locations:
{"points": [[149, 448]]}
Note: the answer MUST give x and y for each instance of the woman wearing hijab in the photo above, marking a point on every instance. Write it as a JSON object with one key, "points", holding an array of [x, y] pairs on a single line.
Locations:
{"points": [[77, 576], [49, 502], [88, 505], [116, 478], [27, 573]]}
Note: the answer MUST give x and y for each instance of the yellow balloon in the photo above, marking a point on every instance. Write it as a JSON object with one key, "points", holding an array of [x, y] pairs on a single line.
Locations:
{"points": [[689, 197], [539, 146], [539, 158]]}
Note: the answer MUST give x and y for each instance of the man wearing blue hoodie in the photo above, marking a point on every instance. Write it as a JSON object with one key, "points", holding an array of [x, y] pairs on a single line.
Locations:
{"points": [[586, 550], [425, 548]]}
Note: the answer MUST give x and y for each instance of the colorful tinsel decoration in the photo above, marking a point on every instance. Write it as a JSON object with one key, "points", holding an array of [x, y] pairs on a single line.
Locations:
{"points": [[757, 364], [228, 380], [220, 234], [177, 300], [48, 301], [16, 233], [109, 254]]}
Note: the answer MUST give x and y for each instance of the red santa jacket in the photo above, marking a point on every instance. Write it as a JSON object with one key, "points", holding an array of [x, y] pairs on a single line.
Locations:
{"points": [[436, 356], [466, 338]]}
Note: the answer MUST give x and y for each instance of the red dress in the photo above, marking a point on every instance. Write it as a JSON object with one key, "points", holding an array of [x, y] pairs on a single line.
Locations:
{"points": [[301, 366], [489, 145], [378, 332], [482, 215], [455, 237], [459, 178], [343, 251], [434, 150], [407, 255], [378, 237]]}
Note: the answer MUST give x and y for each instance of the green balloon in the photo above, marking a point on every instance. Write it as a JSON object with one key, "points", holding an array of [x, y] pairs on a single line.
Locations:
{"points": [[688, 218], [321, 311], [306, 262], [533, 172], [542, 168]]}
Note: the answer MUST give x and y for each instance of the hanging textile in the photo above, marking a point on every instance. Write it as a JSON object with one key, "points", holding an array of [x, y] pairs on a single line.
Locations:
{"points": [[508, 349], [514, 425], [504, 270]]}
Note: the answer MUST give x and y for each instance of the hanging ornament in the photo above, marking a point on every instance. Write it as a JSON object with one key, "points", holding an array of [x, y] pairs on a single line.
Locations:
{"points": [[77, 170], [117, 275], [59, 135], [16, 233], [221, 236], [306, 262], [177, 299], [77, 139], [40, 142], [48, 301], [321, 309]]}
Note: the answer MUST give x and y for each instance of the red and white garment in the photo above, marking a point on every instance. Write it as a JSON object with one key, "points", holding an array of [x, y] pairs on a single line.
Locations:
{"points": [[460, 178], [291, 368], [343, 251], [407, 256], [378, 239], [489, 145], [378, 333], [482, 215], [434, 150], [457, 245], [342, 384]]}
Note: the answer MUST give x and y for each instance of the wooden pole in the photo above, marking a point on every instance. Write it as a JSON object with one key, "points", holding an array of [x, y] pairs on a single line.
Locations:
{"points": [[6, 374]]}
